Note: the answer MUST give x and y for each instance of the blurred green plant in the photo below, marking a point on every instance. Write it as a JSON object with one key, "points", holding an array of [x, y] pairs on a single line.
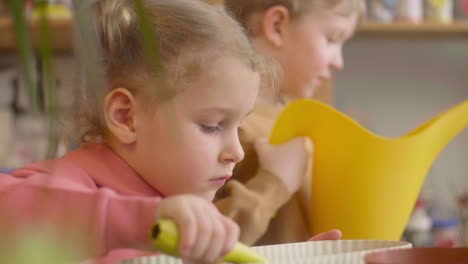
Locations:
{"points": [[43, 247], [149, 36], [25, 52], [38, 247], [48, 78]]}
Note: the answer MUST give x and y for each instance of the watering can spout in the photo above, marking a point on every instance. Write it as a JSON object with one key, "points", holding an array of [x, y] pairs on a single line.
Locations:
{"points": [[442, 128]]}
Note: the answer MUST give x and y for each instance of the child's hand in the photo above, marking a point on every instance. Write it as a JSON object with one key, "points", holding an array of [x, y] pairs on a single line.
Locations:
{"points": [[289, 161], [205, 234], [329, 235]]}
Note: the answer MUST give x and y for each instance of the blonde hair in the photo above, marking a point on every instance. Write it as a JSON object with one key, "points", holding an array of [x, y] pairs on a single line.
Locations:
{"points": [[189, 35], [244, 9]]}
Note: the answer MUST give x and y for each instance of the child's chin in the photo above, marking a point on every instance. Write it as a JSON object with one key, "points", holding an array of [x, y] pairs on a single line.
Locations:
{"points": [[208, 195]]}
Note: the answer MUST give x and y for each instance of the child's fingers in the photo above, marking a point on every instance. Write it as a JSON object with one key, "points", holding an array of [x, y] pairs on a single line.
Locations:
{"points": [[182, 213], [308, 144], [232, 235], [218, 236], [329, 235], [188, 232], [203, 233]]}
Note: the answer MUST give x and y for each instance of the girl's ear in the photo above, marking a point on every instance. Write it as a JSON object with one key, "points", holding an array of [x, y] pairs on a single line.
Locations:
{"points": [[274, 23], [119, 114]]}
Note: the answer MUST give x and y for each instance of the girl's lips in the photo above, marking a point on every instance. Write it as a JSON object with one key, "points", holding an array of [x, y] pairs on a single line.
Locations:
{"points": [[220, 181], [225, 178]]}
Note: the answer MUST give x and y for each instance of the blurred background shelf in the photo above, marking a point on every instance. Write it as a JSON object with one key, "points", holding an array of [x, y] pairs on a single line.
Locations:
{"points": [[407, 30], [61, 35]]}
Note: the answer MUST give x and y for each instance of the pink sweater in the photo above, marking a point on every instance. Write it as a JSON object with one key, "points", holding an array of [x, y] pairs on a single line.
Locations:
{"points": [[91, 190]]}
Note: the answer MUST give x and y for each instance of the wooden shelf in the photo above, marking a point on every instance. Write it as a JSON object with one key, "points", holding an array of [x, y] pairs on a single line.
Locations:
{"points": [[61, 35], [405, 30], [62, 32]]}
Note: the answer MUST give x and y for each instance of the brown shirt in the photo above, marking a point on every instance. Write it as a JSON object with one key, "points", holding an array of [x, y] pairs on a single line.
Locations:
{"points": [[257, 199]]}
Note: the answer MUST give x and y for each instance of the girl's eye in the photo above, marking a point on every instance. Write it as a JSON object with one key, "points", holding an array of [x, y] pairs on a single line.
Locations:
{"points": [[209, 128]]}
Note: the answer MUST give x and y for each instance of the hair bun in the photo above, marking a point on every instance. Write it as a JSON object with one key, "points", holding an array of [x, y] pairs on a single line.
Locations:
{"points": [[117, 21]]}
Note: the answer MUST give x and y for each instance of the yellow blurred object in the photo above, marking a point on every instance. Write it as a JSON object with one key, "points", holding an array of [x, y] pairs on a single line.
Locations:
{"points": [[363, 184], [439, 11], [53, 12], [438, 3]]}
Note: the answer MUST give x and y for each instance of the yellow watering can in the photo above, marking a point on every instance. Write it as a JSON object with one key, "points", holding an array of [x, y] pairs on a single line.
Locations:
{"points": [[363, 184]]}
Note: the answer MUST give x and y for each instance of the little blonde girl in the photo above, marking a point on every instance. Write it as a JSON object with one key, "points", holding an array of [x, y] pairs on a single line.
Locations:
{"points": [[306, 38], [158, 145]]}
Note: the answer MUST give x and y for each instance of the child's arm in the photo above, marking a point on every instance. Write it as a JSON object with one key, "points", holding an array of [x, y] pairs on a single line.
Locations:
{"points": [[104, 218], [110, 220]]}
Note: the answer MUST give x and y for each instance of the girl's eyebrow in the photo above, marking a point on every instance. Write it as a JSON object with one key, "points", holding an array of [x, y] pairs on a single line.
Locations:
{"points": [[221, 110]]}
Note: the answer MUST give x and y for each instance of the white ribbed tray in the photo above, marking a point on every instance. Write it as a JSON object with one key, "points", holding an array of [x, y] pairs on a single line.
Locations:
{"points": [[318, 252]]}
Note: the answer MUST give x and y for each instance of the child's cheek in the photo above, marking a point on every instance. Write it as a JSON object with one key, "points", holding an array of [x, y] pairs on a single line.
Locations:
{"points": [[197, 163]]}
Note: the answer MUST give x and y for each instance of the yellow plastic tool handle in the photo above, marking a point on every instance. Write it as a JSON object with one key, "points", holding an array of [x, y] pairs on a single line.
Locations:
{"points": [[165, 238]]}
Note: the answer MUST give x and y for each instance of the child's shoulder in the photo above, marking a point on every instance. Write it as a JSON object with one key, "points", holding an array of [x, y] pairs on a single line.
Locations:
{"points": [[69, 170], [260, 122], [267, 110]]}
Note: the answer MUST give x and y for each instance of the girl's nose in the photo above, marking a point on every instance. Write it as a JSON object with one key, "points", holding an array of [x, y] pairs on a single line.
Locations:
{"points": [[233, 151], [337, 62]]}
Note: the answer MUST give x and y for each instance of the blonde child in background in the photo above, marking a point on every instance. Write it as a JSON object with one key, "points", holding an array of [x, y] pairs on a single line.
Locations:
{"points": [[306, 38], [159, 145]]}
